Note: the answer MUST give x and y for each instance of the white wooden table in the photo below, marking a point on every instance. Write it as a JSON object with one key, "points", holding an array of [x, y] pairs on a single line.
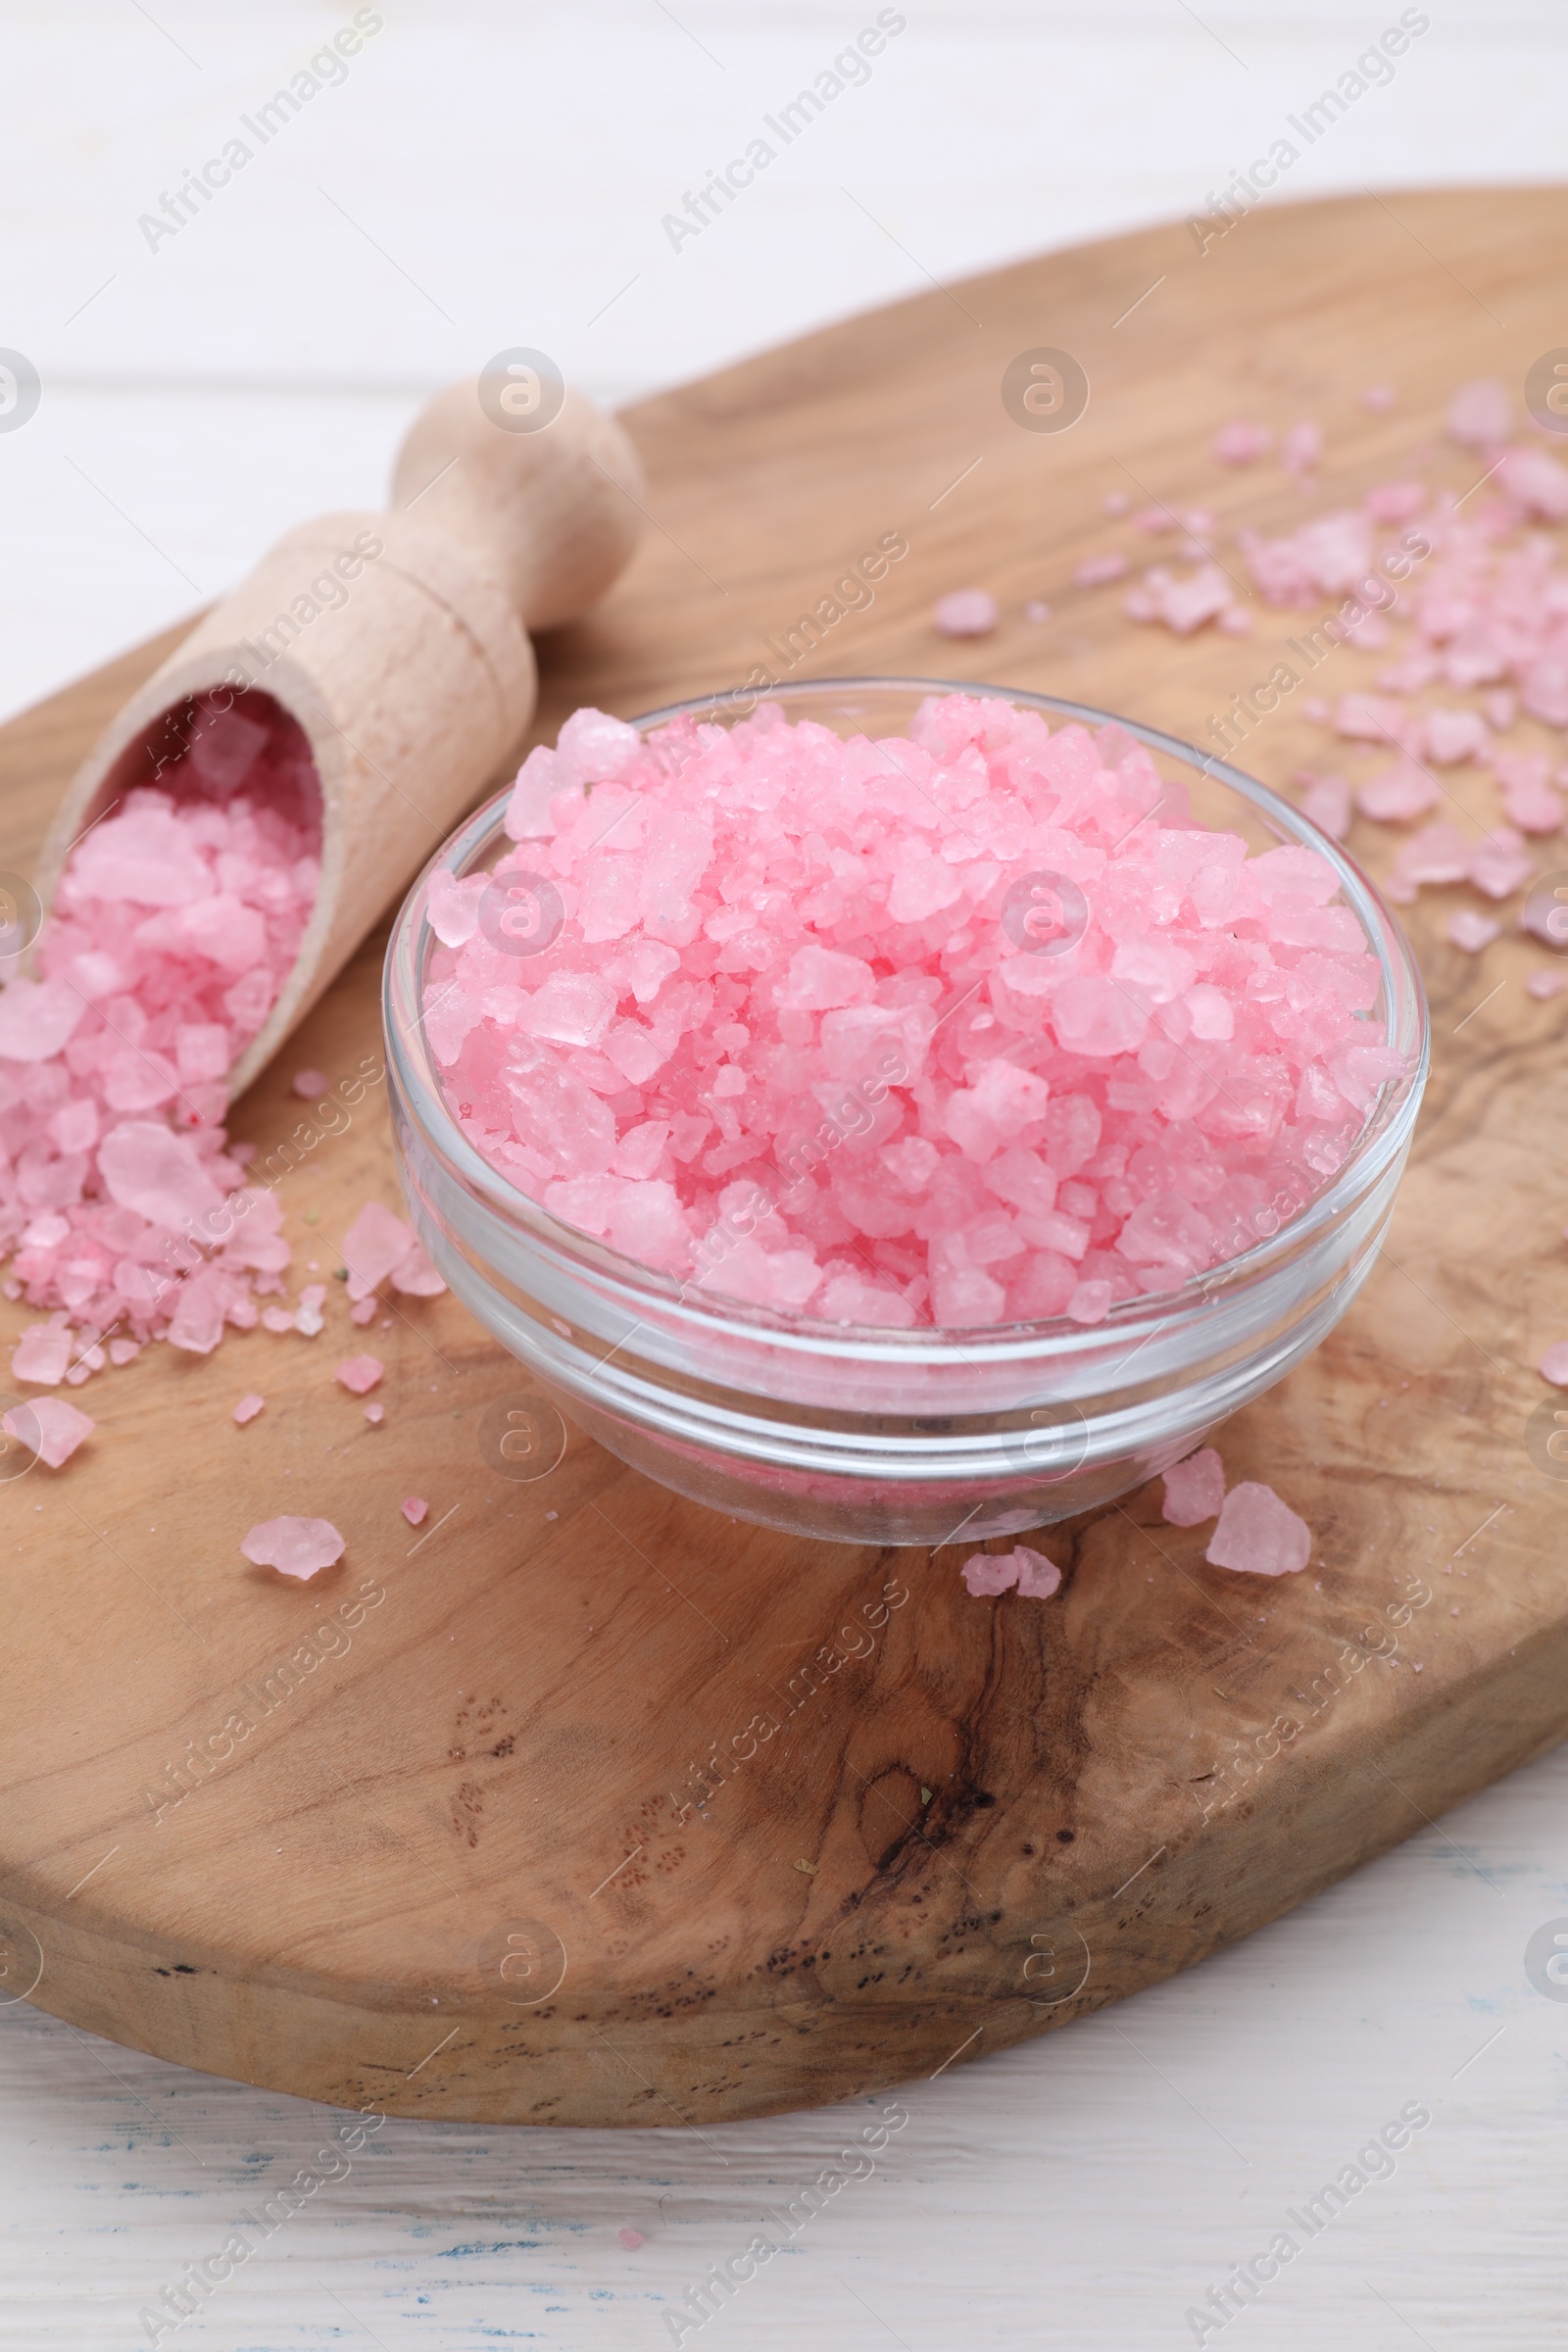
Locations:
{"points": [[482, 176]]}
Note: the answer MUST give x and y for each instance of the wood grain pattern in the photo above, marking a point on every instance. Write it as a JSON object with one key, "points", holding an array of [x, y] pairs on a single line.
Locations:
{"points": [[972, 1821]]}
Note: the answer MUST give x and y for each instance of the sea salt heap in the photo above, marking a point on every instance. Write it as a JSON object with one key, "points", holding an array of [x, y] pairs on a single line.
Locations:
{"points": [[175, 924], [967, 1026]]}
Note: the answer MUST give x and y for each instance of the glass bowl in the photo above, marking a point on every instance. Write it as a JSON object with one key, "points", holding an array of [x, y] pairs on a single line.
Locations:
{"points": [[857, 1434]]}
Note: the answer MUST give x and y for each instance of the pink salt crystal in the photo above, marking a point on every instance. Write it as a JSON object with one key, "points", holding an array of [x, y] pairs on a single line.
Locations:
{"points": [[359, 1373], [1369, 717], [414, 1277], [1156, 521], [310, 1085], [55, 1428], [365, 1310], [631, 2239], [1397, 793], [1553, 1365], [1258, 1534], [1551, 981], [1501, 707], [248, 1408], [1302, 447], [1471, 930], [452, 907], [1378, 397], [1235, 621], [299, 1548], [1036, 611], [1194, 1489], [1038, 1576], [1534, 482], [1481, 413], [1183, 605], [1449, 736], [44, 1352], [1326, 800], [966, 613], [1501, 864], [375, 1414], [1530, 803], [415, 1508], [124, 1352], [1095, 571], [373, 1245], [277, 1319], [986, 1573], [1239, 442]]}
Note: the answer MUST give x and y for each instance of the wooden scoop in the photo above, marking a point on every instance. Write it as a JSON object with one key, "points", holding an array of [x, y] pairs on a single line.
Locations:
{"points": [[397, 644]]}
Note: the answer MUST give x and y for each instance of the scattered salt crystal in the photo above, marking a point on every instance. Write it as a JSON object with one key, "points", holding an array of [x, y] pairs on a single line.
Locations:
{"points": [[986, 1574], [1528, 801], [1036, 611], [1553, 1365], [1501, 864], [1326, 800], [1470, 929], [631, 2239], [1549, 982], [1115, 502], [375, 1243], [1194, 1489], [375, 1414], [415, 1508], [359, 1373], [1449, 736], [1301, 448], [1240, 442], [1398, 793], [124, 1352], [293, 1547], [248, 1408], [1094, 571], [1258, 1534], [415, 1276], [363, 1310], [310, 1084], [44, 1352], [1038, 1576], [966, 613], [1183, 605], [277, 1319], [48, 1424], [1378, 397], [1481, 415]]}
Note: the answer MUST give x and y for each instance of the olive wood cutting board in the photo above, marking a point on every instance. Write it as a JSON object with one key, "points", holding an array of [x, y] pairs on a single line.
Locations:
{"points": [[583, 1804]]}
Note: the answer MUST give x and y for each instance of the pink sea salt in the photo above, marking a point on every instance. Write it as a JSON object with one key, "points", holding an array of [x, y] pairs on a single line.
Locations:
{"points": [[359, 1374], [1240, 442], [1481, 413], [1258, 1534], [1195, 1490], [966, 613], [299, 1548], [52, 1427], [1094, 571], [248, 1408], [310, 1085], [415, 1508], [380, 1247], [631, 2239], [175, 924], [44, 1352], [375, 1414], [847, 1054], [986, 1574], [1327, 801], [1470, 929], [1553, 1365]]}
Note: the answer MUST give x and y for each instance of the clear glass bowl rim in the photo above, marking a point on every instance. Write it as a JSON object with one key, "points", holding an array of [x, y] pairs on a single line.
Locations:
{"points": [[1385, 1135]]}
